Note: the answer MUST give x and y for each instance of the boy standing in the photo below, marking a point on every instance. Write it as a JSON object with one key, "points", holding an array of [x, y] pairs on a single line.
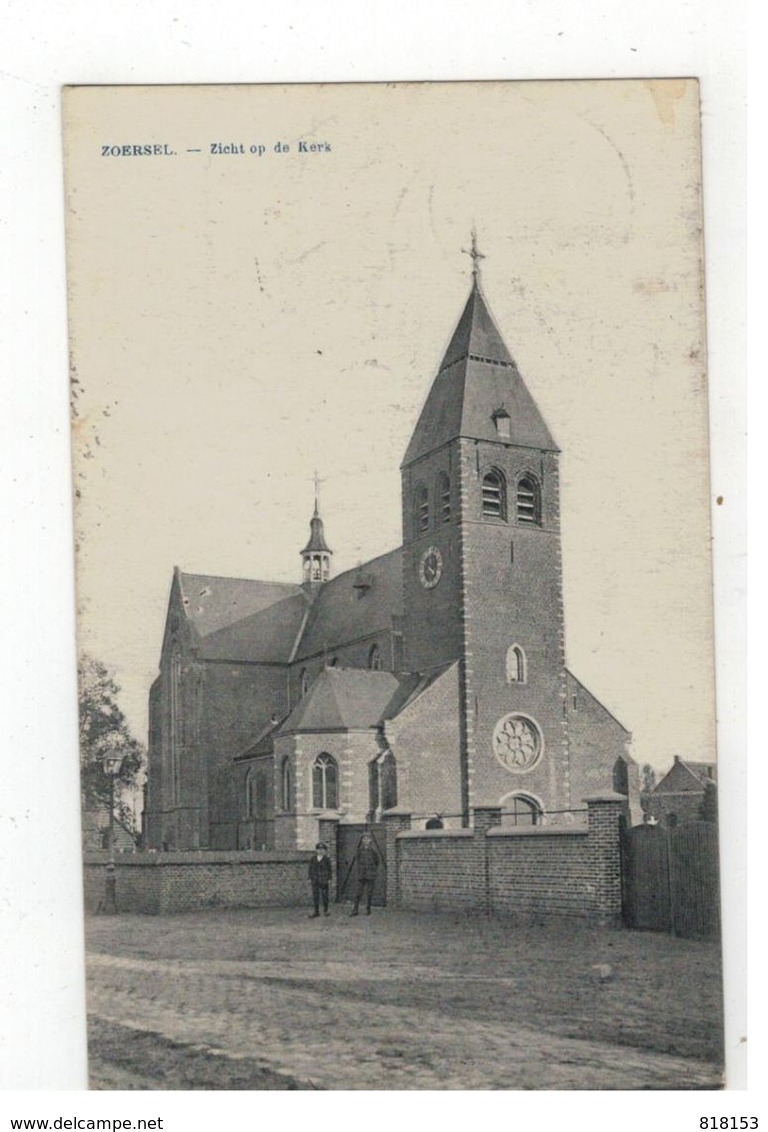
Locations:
{"points": [[320, 878]]}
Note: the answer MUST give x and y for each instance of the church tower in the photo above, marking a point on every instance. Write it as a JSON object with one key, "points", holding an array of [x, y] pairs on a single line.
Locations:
{"points": [[316, 555], [482, 567]]}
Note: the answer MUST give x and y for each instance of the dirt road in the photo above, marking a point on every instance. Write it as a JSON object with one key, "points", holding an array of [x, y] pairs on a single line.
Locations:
{"points": [[269, 1000]]}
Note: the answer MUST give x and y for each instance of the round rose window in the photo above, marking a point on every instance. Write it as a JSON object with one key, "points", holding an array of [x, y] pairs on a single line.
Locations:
{"points": [[517, 742]]}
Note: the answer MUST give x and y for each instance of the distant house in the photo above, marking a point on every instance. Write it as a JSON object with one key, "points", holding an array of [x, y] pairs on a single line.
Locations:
{"points": [[678, 796]]}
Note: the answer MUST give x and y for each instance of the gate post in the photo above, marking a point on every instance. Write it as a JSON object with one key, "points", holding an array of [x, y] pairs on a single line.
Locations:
{"points": [[395, 821], [327, 829], [605, 812], [483, 819]]}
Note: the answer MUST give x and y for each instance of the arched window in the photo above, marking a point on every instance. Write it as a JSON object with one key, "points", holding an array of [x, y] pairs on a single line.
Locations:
{"points": [[304, 680], [494, 495], [333, 662], [388, 781], [528, 500], [175, 721], [516, 667], [620, 777], [286, 785], [325, 783], [250, 793], [520, 810], [374, 658], [383, 783], [421, 509], [444, 498]]}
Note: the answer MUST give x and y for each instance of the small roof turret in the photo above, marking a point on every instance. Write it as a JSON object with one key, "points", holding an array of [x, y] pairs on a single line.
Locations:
{"points": [[317, 535], [316, 555]]}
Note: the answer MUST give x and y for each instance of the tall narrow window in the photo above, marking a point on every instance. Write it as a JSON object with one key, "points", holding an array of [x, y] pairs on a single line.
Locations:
{"points": [[444, 497], [325, 783], [304, 679], [620, 777], [421, 509], [175, 722], [528, 500], [374, 658], [494, 495], [286, 785], [382, 783], [250, 793], [388, 781], [516, 665]]}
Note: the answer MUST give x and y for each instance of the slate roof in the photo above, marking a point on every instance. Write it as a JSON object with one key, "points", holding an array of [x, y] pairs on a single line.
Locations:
{"points": [[240, 619], [478, 375], [411, 687], [264, 743], [243, 620], [343, 699], [343, 612], [269, 635]]}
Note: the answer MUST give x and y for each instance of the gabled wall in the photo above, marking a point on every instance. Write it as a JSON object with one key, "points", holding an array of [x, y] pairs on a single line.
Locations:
{"points": [[425, 739], [597, 741]]}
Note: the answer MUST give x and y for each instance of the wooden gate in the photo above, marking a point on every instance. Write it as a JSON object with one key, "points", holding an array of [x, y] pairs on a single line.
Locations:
{"points": [[670, 879], [347, 842]]}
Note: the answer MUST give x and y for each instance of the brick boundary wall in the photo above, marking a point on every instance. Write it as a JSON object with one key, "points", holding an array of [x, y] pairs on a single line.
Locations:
{"points": [[539, 871], [156, 883]]}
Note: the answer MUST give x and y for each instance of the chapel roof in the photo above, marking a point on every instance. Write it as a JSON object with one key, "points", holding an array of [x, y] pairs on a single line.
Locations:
{"points": [[477, 377], [341, 699]]}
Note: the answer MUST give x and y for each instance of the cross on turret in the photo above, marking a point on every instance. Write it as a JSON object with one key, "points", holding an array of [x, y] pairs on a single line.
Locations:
{"points": [[316, 555]]}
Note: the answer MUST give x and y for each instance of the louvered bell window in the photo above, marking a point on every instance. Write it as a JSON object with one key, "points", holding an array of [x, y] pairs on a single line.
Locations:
{"points": [[444, 498], [527, 501], [493, 496]]}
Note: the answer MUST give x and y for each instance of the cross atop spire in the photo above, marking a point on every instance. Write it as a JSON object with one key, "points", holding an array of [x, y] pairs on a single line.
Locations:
{"points": [[476, 255], [317, 481]]}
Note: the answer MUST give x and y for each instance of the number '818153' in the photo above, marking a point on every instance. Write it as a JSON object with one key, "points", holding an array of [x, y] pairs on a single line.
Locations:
{"points": [[728, 1122]]}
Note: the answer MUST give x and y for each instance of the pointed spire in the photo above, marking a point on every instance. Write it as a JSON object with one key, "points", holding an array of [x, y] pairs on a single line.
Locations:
{"points": [[476, 377]]}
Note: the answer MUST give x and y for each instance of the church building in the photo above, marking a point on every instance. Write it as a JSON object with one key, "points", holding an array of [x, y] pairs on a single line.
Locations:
{"points": [[431, 679]]}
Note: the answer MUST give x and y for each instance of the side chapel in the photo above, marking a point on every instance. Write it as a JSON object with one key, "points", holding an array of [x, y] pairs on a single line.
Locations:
{"points": [[431, 679]]}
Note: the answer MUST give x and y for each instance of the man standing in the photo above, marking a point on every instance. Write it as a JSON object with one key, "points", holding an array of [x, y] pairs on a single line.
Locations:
{"points": [[320, 879], [367, 868]]}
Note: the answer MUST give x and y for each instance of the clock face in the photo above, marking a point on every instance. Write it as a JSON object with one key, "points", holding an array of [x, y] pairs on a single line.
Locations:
{"points": [[430, 567]]}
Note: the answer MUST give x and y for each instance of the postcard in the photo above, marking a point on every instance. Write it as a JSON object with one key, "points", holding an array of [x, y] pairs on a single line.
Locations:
{"points": [[389, 409]]}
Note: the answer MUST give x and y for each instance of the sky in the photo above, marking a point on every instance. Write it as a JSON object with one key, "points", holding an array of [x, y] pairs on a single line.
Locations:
{"points": [[241, 319]]}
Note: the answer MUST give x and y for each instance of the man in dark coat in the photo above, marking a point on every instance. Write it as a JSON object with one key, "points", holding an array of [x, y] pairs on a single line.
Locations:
{"points": [[320, 879], [367, 868]]}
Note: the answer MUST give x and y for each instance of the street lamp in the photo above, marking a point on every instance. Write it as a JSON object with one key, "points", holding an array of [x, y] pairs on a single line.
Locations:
{"points": [[110, 764]]}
